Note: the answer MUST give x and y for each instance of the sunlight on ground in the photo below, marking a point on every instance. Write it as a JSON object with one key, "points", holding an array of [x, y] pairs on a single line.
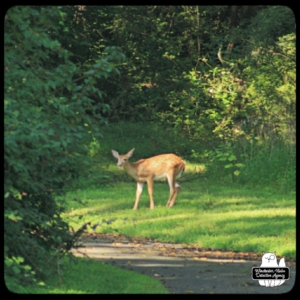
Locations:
{"points": [[194, 167]]}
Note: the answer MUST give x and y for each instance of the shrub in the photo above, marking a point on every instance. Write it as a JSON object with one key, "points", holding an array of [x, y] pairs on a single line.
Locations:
{"points": [[46, 128]]}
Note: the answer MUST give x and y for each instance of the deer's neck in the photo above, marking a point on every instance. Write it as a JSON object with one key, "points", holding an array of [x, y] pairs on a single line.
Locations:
{"points": [[130, 168]]}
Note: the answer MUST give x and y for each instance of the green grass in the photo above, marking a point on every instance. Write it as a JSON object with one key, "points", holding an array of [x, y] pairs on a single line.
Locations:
{"points": [[87, 276], [206, 214]]}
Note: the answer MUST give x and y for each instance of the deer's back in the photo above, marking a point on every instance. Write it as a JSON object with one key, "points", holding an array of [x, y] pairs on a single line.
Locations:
{"points": [[159, 166]]}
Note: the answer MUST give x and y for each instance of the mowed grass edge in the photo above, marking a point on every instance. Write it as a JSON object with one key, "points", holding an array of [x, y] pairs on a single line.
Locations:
{"points": [[89, 276]]}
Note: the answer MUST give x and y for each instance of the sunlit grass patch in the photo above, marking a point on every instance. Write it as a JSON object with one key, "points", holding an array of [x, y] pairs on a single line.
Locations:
{"points": [[206, 214]]}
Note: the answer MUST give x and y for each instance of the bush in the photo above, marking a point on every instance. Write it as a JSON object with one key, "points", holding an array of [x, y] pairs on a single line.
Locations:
{"points": [[258, 163], [46, 128], [272, 167]]}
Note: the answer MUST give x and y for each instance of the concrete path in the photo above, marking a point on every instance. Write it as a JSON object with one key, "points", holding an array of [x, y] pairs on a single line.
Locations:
{"points": [[181, 268]]}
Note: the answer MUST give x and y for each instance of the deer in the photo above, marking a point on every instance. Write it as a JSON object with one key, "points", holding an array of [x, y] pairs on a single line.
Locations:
{"points": [[169, 166]]}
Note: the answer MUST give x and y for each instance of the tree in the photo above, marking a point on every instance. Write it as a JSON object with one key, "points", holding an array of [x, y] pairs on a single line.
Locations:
{"points": [[49, 117]]}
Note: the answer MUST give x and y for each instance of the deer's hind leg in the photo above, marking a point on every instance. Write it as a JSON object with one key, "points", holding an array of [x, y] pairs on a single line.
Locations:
{"points": [[177, 189], [174, 189]]}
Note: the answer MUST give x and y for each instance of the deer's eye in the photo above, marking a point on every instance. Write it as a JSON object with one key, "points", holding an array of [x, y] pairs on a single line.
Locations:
{"points": [[124, 159]]}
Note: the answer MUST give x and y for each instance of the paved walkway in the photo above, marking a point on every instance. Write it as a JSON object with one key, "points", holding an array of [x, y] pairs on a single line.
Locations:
{"points": [[183, 269]]}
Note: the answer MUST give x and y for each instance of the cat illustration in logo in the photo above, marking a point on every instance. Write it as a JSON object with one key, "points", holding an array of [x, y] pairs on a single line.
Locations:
{"points": [[270, 260]]}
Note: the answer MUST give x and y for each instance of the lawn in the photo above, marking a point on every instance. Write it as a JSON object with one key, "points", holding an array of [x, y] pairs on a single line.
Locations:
{"points": [[206, 214]]}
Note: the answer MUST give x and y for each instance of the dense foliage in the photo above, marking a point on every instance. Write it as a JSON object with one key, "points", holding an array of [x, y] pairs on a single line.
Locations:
{"points": [[212, 83], [49, 116]]}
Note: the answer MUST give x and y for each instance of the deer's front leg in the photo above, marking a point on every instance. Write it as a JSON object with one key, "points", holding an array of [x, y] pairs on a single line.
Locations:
{"points": [[139, 189], [150, 191]]}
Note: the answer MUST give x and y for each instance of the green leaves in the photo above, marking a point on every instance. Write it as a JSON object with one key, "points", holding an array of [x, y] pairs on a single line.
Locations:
{"points": [[48, 101], [227, 160], [13, 216], [231, 157], [236, 172]]}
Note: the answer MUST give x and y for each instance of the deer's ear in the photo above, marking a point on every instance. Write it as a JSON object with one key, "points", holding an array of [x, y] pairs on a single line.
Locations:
{"points": [[130, 152], [115, 153]]}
